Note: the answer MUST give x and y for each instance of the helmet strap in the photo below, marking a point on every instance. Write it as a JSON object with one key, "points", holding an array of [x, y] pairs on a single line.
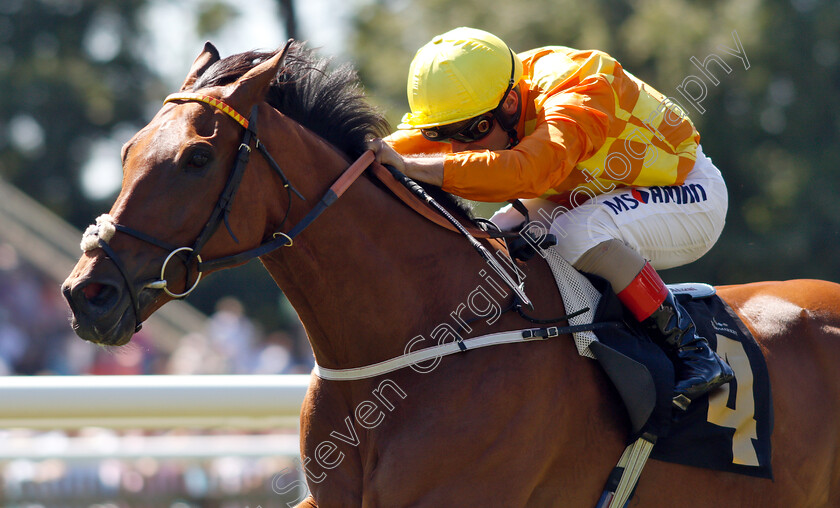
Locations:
{"points": [[508, 122]]}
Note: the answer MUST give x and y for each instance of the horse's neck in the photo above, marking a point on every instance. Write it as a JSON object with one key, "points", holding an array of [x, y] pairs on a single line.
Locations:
{"points": [[365, 280], [369, 274]]}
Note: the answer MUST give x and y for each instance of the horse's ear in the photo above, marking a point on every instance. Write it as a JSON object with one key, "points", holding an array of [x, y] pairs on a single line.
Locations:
{"points": [[252, 87], [208, 57]]}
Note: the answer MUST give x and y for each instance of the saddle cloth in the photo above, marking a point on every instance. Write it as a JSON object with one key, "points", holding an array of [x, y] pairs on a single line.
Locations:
{"points": [[728, 429]]}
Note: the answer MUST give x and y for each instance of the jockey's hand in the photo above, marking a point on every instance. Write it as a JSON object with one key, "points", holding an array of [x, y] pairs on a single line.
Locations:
{"points": [[425, 169], [386, 155]]}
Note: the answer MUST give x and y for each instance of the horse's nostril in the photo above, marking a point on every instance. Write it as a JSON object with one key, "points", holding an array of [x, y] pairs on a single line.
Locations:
{"points": [[92, 290], [95, 296], [101, 295]]}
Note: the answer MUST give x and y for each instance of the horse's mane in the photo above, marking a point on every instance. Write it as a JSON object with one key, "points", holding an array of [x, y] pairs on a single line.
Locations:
{"points": [[328, 100]]}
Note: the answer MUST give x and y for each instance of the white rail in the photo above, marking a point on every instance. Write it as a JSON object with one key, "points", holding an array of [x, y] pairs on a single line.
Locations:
{"points": [[108, 444], [66, 402]]}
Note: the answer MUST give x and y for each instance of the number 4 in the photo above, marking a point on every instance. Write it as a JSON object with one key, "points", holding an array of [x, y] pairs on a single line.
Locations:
{"points": [[742, 418]]}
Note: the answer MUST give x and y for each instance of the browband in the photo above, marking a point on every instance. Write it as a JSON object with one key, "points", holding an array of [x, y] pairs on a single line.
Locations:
{"points": [[216, 103]]}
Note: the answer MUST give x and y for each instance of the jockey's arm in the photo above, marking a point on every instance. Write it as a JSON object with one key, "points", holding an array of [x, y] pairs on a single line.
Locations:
{"points": [[570, 127]]}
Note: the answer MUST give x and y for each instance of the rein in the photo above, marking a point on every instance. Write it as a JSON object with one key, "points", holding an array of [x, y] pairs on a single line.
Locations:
{"points": [[94, 236]]}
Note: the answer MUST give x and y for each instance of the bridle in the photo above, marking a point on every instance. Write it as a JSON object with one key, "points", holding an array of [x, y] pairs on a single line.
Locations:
{"points": [[279, 239]]}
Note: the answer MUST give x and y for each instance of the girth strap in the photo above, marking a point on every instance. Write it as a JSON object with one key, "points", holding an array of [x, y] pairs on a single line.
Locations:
{"points": [[622, 482]]}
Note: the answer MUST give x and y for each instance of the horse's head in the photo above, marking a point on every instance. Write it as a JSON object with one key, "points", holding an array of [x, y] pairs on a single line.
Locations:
{"points": [[176, 193]]}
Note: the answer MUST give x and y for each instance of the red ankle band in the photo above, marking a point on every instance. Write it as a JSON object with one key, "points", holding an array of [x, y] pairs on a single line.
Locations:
{"points": [[644, 294]]}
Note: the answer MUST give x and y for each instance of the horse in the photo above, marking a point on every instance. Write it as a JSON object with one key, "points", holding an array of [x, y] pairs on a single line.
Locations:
{"points": [[519, 424]]}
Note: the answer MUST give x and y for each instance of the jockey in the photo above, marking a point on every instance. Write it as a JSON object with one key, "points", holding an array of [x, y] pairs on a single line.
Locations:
{"points": [[608, 163]]}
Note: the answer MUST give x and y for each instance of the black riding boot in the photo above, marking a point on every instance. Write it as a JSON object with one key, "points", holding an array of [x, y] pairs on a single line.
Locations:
{"points": [[698, 369]]}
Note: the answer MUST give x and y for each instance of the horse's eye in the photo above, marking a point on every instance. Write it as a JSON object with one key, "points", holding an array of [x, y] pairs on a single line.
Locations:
{"points": [[198, 159]]}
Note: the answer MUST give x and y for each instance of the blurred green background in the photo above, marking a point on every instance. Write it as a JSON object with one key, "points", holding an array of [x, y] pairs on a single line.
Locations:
{"points": [[79, 77]]}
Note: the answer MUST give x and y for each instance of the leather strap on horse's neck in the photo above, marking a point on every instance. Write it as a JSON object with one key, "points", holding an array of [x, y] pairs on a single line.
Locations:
{"points": [[350, 175]]}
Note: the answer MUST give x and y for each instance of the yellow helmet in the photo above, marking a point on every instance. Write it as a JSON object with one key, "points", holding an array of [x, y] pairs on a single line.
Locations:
{"points": [[459, 75]]}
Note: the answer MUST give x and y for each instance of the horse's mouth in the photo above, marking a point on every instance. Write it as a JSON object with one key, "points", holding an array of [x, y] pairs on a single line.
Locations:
{"points": [[105, 332], [108, 325]]}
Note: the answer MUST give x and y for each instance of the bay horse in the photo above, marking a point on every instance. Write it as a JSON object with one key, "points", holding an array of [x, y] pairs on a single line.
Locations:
{"points": [[527, 424]]}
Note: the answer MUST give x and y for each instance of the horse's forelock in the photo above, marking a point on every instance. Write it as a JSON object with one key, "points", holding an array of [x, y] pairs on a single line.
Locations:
{"points": [[229, 69]]}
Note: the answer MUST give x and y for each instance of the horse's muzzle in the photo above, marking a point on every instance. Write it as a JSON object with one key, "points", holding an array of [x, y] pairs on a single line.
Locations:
{"points": [[101, 311]]}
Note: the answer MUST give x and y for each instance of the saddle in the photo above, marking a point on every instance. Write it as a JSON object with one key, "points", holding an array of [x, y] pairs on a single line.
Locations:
{"points": [[728, 429]]}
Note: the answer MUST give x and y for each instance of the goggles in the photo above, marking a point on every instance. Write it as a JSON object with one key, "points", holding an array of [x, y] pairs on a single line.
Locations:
{"points": [[467, 131]]}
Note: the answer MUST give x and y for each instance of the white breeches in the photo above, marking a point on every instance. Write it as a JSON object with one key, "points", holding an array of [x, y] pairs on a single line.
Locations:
{"points": [[668, 225]]}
